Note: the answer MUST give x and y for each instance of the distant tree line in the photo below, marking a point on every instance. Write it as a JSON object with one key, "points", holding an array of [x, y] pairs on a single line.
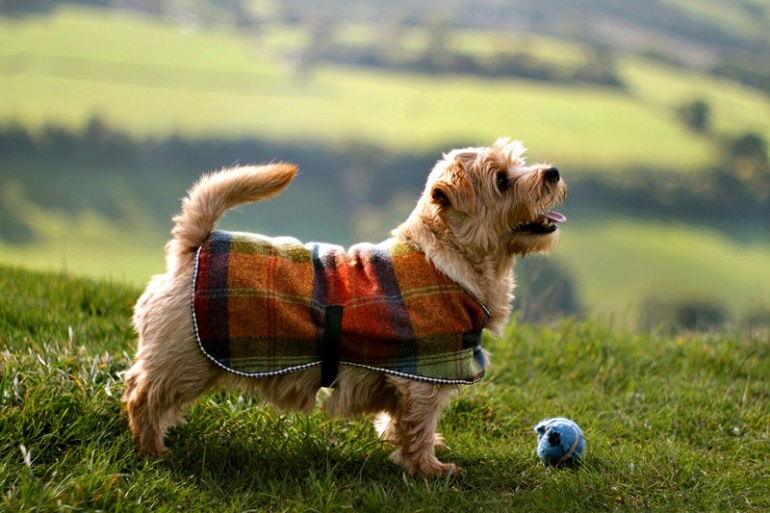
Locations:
{"points": [[98, 144], [235, 12], [733, 195], [750, 68], [735, 186], [440, 57], [738, 186], [598, 69], [701, 314], [25, 7]]}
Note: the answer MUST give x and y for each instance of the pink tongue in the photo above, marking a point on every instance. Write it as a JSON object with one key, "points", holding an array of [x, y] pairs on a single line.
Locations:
{"points": [[555, 217]]}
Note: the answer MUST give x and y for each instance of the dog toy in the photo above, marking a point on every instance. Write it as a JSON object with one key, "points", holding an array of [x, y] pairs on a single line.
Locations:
{"points": [[559, 441]]}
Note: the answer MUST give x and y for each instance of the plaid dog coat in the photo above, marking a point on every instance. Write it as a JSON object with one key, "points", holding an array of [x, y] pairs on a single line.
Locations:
{"points": [[267, 306]]}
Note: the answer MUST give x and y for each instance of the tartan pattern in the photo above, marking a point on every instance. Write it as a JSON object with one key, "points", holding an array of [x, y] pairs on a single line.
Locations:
{"points": [[261, 305]]}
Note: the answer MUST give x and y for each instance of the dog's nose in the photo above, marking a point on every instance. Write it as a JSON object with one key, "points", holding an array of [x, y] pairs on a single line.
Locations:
{"points": [[551, 174]]}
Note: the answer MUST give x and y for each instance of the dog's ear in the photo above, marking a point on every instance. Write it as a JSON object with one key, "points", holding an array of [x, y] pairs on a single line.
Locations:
{"points": [[454, 190], [466, 158], [440, 194]]}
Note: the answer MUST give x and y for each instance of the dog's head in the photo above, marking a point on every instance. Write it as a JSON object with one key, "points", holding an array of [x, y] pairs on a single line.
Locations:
{"points": [[488, 200]]}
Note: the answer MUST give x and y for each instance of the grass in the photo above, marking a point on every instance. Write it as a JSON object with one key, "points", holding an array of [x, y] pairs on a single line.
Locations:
{"points": [[151, 79], [672, 423]]}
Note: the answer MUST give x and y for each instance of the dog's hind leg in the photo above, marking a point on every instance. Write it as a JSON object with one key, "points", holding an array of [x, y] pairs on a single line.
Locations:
{"points": [[156, 398], [170, 371], [414, 431], [147, 426]]}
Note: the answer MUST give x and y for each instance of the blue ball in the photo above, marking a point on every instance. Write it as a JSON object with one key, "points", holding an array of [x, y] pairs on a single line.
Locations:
{"points": [[560, 441]]}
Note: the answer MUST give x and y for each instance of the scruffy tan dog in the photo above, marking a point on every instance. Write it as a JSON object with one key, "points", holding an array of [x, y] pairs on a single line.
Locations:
{"points": [[392, 328]]}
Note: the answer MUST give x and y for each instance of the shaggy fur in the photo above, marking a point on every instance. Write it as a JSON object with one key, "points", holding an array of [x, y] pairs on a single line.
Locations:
{"points": [[481, 208]]}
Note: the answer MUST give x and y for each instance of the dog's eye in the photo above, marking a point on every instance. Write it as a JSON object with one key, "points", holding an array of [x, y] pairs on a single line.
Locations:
{"points": [[502, 181]]}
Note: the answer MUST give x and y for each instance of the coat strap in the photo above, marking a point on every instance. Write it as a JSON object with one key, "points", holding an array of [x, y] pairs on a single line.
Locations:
{"points": [[331, 345]]}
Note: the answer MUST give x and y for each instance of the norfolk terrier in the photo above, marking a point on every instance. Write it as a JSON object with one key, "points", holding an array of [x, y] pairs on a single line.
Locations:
{"points": [[392, 329]]}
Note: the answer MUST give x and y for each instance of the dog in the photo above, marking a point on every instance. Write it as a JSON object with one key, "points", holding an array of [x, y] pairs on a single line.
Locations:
{"points": [[393, 329]]}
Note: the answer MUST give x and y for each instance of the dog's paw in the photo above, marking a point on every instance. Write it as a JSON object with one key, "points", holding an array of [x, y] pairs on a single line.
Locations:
{"points": [[448, 471], [426, 465]]}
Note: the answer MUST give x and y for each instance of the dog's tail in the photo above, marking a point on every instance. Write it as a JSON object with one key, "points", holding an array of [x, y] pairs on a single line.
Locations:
{"points": [[214, 194]]}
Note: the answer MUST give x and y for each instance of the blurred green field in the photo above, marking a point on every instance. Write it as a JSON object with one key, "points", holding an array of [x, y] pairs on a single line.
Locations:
{"points": [[152, 79], [734, 108], [618, 263], [87, 245]]}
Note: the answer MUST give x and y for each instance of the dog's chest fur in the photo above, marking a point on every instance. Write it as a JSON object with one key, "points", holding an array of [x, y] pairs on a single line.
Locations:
{"points": [[267, 306]]}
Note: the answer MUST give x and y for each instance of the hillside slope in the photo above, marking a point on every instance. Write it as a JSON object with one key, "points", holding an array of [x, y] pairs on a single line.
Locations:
{"points": [[672, 423]]}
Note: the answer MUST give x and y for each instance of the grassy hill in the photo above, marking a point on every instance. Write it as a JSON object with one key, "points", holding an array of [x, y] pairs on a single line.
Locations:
{"points": [[151, 79], [674, 423]]}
